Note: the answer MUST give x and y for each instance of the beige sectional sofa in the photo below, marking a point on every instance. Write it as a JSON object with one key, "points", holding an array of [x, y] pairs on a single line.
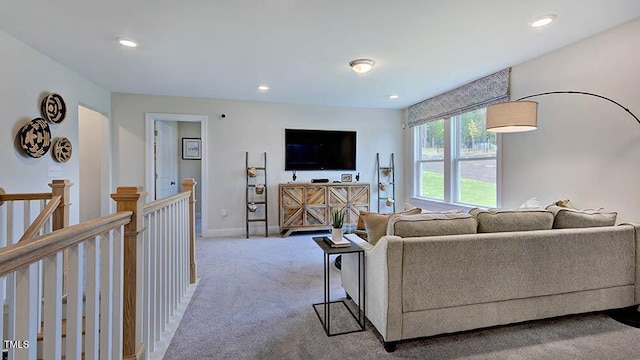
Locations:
{"points": [[418, 286]]}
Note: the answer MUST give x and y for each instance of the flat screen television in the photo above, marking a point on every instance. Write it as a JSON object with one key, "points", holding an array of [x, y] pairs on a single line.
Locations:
{"points": [[319, 149]]}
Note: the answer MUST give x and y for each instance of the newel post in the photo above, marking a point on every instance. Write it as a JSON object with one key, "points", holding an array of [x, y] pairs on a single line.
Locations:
{"points": [[189, 184], [131, 198], [61, 214]]}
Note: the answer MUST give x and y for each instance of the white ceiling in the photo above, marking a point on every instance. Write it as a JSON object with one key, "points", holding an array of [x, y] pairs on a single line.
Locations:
{"points": [[224, 49]]}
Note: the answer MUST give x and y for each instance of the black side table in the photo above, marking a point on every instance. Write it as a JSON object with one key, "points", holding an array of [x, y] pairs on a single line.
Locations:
{"points": [[323, 242]]}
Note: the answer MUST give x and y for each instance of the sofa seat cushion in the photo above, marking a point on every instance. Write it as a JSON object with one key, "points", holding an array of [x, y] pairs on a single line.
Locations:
{"points": [[566, 218], [431, 224], [376, 224], [504, 220]]}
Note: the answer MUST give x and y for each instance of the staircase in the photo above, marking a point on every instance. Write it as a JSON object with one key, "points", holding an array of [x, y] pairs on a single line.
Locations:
{"points": [[127, 275]]}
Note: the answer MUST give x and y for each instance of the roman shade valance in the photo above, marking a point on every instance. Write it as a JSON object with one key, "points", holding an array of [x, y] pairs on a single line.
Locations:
{"points": [[481, 93]]}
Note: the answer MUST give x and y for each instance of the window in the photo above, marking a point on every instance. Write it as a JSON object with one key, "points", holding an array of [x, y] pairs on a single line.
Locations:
{"points": [[456, 160]]}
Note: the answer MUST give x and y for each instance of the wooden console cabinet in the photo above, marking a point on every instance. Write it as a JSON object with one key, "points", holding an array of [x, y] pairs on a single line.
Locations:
{"points": [[307, 206]]}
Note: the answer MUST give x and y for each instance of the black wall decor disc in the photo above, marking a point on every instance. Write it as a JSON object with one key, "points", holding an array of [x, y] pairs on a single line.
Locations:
{"points": [[53, 108], [62, 149], [35, 138]]}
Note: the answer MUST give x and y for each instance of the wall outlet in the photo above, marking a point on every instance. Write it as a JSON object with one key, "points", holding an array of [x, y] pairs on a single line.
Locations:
{"points": [[55, 171], [223, 212]]}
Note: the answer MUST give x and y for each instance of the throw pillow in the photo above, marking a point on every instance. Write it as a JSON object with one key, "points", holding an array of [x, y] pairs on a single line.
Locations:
{"points": [[376, 224], [566, 218], [564, 203], [431, 224], [532, 203], [360, 223], [503, 220]]}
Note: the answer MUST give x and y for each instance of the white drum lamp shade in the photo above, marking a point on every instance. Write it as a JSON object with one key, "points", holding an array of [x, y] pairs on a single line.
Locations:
{"points": [[512, 116]]}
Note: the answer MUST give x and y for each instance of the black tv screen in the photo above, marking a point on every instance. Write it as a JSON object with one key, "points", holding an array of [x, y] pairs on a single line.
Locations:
{"points": [[319, 150]]}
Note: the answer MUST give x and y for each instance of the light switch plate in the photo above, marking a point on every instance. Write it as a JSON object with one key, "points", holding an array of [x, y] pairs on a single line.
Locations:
{"points": [[55, 171]]}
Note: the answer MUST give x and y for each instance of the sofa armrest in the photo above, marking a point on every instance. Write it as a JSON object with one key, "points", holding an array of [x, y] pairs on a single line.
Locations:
{"points": [[383, 284], [636, 227]]}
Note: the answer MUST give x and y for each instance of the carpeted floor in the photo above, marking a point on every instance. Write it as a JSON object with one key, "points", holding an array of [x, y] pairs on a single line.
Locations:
{"points": [[255, 301]]}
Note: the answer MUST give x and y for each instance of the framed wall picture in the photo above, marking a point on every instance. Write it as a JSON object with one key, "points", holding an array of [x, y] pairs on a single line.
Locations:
{"points": [[191, 148], [345, 178]]}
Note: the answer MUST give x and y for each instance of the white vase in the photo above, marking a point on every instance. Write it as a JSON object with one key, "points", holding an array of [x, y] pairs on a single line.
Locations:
{"points": [[336, 234]]}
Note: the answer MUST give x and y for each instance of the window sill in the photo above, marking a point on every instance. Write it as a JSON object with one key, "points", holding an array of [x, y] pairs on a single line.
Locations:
{"points": [[435, 205]]}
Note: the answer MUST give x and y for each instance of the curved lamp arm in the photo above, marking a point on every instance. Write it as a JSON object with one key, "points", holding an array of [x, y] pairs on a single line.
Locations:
{"points": [[522, 115], [583, 93]]}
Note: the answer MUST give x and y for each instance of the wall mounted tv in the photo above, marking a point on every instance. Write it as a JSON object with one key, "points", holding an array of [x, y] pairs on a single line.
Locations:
{"points": [[319, 149]]}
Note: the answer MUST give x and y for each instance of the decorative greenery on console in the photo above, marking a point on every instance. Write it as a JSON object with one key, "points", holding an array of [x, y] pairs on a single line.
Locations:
{"points": [[337, 218]]}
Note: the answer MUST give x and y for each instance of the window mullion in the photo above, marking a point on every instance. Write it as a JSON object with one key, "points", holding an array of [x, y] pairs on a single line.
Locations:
{"points": [[448, 156]]}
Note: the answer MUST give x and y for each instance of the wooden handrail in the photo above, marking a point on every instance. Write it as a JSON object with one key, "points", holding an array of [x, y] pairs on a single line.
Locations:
{"points": [[22, 254], [25, 196], [42, 218], [162, 203]]}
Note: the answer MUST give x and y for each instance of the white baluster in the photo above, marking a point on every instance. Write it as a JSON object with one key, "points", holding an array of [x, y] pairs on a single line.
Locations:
{"points": [[27, 328], [165, 269], [146, 296], [172, 259], [75, 289], [92, 297], [106, 299], [52, 347], [157, 265]]}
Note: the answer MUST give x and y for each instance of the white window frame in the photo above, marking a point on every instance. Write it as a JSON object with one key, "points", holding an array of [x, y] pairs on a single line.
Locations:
{"points": [[451, 179]]}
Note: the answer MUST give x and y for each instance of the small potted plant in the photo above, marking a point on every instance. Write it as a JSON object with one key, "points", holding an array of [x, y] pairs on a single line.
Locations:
{"points": [[337, 220]]}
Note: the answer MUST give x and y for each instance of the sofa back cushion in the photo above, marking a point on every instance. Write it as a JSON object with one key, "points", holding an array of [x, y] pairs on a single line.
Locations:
{"points": [[431, 224], [566, 218], [503, 220], [376, 224]]}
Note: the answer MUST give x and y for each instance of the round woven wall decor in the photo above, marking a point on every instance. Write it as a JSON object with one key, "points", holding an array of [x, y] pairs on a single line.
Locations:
{"points": [[62, 149], [53, 108], [35, 138]]}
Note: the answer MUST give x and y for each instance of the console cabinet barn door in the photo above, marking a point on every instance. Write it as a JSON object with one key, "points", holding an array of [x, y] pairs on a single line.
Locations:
{"points": [[307, 206], [302, 206], [353, 198]]}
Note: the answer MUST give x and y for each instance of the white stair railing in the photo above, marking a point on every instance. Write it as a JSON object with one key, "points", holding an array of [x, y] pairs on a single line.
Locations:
{"points": [[20, 259], [29, 214], [159, 267], [129, 276]]}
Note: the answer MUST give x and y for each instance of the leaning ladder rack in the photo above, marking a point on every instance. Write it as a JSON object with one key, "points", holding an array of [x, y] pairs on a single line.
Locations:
{"points": [[386, 176], [253, 198]]}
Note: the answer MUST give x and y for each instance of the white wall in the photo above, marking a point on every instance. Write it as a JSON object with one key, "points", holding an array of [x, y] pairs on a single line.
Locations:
{"points": [[89, 151], [255, 127], [27, 76], [585, 149], [189, 168]]}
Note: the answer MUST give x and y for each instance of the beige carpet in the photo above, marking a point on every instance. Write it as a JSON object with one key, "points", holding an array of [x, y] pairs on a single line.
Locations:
{"points": [[254, 302]]}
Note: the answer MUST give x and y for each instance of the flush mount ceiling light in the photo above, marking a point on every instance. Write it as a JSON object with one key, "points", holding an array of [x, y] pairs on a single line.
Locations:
{"points": [[362, 66], [263, 87], [393, 97], [127, 42], [542, 20]]}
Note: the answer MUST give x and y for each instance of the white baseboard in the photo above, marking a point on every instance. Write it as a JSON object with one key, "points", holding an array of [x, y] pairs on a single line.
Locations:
{"points": [[238, 232], [162, 345]]}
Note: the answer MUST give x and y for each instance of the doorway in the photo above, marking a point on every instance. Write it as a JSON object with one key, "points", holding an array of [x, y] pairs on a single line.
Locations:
{"points": [[165, 163], [95, 164]]}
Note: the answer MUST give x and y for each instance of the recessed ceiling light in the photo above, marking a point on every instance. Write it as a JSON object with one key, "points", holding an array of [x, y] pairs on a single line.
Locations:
{"points": [[127, 42], [362, 66], [263, 87], [393, 97], [543, 20]]}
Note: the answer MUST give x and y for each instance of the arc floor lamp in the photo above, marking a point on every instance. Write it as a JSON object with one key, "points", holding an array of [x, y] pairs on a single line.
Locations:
{"points": [[520, 115]]}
